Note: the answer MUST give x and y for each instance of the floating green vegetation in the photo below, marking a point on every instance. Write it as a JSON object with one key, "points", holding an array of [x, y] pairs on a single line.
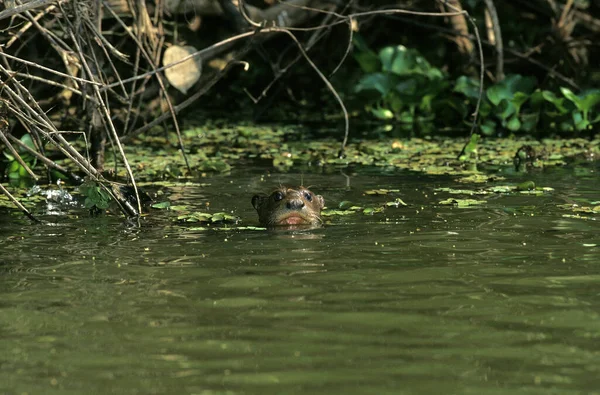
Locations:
{"points": [[185, 214], [209, 218], [580, 209], [348, 208], [26, 198], [381, 191], [577, 216], [161, 205], [396, 203], [527, 188], [462, 202], [214, 149], [480, 178], [226, 228]]}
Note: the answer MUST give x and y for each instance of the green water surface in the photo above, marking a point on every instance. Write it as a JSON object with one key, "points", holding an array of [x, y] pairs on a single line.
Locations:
{"points": [[498, 298]]}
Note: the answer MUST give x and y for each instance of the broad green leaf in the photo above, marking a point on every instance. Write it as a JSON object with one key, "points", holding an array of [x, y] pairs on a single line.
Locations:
{"points": [[558, 102], [26, 139], [382, 113], [518, 100], [367, 59], [398, 60], [509, 86], [470, 149], [379, 82], [467, 86], [590, 100], [572, 97], [401, 61], [526, 186], [529, 121], [513, 124], [579, 120], [161, 205], [488, 127]]}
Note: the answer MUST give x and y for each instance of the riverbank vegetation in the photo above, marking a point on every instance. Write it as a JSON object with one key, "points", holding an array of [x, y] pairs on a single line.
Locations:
{"points": [[120, 91]]}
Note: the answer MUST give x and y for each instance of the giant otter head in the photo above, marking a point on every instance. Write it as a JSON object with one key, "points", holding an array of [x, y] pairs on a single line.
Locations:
{"points": [[287, 206]]}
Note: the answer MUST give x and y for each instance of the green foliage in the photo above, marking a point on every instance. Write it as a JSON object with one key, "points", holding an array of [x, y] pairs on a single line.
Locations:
{"points": [[584, 104], [14, 170], [400, 84], [96, 198], [214, 165], [515, 105], [161, 205], [216, 218], [469, 151]]}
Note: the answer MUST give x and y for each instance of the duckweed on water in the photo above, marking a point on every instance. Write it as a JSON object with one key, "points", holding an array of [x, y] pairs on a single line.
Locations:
{"points": [[185, 214], [211, 218], [528, 188], [347, 208], [26, 198], [156, 161], [213, 149]]}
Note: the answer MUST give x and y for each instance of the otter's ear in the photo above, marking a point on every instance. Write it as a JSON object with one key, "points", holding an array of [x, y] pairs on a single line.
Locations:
{"points": [[257, 200], [320, 200]]}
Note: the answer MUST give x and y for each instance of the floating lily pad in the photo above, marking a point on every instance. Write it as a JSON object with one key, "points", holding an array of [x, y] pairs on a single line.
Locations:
{"points": [[381, 191], [526, 186], [344, 205], [468, 192], [396, 203], [179, 208], [161, 205], [480, 178], [372, 210], [577, 216], [501, 189], [219, 217], [462, 202], [504, 189], [580, 209], [214, 165], [330, 213]]}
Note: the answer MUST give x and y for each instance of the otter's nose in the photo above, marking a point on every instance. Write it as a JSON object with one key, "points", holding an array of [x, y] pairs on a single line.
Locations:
{"points": [[295, 204]]}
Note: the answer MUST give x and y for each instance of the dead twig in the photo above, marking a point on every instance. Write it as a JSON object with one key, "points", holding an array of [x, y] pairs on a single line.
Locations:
{"points": [[49, 163], [30, 5], [495, 37]]}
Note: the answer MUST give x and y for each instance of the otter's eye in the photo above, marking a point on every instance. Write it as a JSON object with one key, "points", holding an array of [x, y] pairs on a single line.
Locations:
{"points": [[277, 196], [308, 196]]}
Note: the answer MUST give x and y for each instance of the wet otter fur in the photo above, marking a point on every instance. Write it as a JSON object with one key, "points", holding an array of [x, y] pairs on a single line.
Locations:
{"points": [[289, 206]]}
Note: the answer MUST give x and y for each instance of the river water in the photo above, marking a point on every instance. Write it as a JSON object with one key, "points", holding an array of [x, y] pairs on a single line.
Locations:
{"points": [[497, 298]]}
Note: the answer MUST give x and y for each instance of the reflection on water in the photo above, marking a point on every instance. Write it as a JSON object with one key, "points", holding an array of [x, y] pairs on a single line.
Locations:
{"points": [[491, 299]]}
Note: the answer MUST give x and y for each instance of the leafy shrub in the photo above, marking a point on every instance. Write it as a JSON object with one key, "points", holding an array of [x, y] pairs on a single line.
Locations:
{"points": [[515, 105], [399, 84], [14, 170]]}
